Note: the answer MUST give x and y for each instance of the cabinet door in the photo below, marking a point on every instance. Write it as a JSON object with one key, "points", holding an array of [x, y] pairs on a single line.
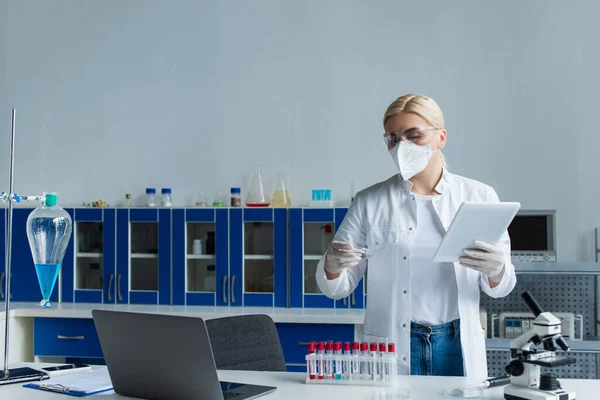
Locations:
{"points": [[258, 257], [144, 256], [24, 282], [90, 277], [195, 258], [311, 232]]}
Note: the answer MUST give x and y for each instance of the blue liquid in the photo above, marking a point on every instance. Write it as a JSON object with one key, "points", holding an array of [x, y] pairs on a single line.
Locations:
{"points": [[47, 274]]}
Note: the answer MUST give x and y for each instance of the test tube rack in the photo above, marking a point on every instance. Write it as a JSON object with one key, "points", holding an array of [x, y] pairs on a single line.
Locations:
{"points": [[351, 369]]}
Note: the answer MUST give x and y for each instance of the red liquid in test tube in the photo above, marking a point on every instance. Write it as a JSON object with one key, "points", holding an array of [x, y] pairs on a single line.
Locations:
{"points": [[355, 367], [346, 364], [373, 364], [320, 364], [312, 364], [383, 374], [364, 365], [329, 362]]}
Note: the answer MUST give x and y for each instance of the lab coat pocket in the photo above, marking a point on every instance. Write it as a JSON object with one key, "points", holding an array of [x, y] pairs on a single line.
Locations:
{"points": [[383, 255]]}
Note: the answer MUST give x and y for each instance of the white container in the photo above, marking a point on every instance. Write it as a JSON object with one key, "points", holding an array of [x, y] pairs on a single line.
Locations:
{"points": [[166, 197], [197, 247]]}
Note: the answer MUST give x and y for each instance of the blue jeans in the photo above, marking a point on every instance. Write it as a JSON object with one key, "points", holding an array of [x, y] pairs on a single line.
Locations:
{"points": [[436, 350]]}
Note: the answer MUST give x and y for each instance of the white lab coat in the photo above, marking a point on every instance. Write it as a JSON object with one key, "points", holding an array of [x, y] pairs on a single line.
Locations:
{"points": [[383, 219]]}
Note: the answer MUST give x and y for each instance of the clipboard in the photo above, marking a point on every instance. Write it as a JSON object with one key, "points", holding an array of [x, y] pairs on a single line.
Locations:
{"points": [[475, 221], [81, 384]]}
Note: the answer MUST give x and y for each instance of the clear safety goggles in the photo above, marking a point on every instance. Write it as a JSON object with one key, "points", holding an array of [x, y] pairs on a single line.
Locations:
{"points": [[416, 135]]}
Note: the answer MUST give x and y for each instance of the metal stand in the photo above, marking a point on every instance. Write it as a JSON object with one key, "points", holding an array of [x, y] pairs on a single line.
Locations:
{"points": [[14, 375]]}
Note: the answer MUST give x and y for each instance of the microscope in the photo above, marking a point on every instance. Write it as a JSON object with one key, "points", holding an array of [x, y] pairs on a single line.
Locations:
{"points": [[526, 380]]}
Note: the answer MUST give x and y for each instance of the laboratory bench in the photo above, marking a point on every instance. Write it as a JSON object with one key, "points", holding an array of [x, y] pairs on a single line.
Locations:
{"points": [[213, 262], [292, 385]]}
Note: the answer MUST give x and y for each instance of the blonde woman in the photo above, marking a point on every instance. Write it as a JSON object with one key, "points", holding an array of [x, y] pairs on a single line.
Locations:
{"points": [[430, 310]]}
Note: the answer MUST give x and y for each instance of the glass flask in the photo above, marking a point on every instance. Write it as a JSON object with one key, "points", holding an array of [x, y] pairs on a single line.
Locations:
{"points": [[49, 231], [219, 200], [256, 194], [201, 201], [281, 197]]}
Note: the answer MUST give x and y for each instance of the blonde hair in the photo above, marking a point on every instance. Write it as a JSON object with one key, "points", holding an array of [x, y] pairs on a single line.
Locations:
{"points": [[421, 105]]}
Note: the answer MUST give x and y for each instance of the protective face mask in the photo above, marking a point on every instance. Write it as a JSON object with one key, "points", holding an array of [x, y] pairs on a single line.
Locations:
{"points": [[411, 158]]}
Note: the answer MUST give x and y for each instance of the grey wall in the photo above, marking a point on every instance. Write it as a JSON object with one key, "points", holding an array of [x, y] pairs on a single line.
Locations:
{"points": [[4, 111], [116, 96]]}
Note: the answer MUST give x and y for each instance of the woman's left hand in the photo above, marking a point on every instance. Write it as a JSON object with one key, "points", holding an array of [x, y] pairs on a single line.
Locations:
{"points": [[486, 258]]}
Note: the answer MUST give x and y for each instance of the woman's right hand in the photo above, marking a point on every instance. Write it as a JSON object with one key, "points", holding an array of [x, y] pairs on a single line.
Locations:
{"points": [[341, 255]]}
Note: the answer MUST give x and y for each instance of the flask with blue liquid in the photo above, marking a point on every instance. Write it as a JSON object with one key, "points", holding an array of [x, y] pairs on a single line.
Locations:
{"points": [[48, 230]]}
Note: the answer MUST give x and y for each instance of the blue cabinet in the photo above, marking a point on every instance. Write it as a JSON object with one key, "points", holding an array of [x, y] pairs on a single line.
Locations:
{"points": [[2, 253], [143, 256], [89, 267], [24, 282], [258, 257], [201, 257], [66, 337], [311, 232]]}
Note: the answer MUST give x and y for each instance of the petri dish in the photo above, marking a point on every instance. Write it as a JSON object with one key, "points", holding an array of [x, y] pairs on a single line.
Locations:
{"points": [[463, 394], [391, 394]]}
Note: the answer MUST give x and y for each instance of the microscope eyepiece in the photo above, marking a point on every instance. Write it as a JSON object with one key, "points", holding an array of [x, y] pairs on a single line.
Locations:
{"points": [[532, 303]]}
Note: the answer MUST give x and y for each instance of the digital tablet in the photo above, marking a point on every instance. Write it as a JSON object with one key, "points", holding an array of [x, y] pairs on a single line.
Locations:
{"points": [[475, 221]]}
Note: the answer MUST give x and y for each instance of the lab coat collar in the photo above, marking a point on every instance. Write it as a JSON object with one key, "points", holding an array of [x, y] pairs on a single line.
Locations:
{"points": [[442, 186]]}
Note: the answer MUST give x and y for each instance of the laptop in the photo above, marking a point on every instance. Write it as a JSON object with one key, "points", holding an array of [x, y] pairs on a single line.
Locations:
{"points": [[162, 357]]}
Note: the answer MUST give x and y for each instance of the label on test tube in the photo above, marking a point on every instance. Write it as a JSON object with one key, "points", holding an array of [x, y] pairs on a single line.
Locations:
{"points": [[364, 365], [337, 367], [329, 362], [346, 364], [312, 364], [355, 367], [382, 362], [320, 363], [392, 354], [374, 362]]}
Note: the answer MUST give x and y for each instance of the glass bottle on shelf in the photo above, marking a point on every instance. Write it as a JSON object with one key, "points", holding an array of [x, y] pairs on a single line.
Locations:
{"points": [[281, 197], [256, 195]]}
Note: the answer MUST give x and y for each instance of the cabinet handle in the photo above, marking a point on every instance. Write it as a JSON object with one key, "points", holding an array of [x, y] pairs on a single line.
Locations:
{"points": [[61, 337], [344, 301], [303, 343], [110, 281], [119, 297], [1, 286], [353, 299], [224, 288], [231, 288]]}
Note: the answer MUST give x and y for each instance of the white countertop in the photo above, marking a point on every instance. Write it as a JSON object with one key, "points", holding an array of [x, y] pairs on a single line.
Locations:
{"points": [[292, 386], [279, 315]]}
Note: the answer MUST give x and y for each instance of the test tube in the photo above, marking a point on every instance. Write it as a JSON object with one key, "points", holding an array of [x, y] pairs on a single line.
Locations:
{"points": [[364, 364], [373, 363], [346, 364], [355, 367], [312, 363], [392, 364], [383, 375], [329, 361], [320, 366], [337, 350]]}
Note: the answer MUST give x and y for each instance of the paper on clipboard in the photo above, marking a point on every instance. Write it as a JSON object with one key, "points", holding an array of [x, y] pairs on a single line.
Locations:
{"points": [[79, 384], [475, 221]]}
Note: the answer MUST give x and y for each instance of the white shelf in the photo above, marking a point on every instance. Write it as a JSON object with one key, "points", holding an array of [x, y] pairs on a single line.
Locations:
{"points": [[557, 268], [143, 255], [89, 255], [258, 257], [313, 257], [588, 345], [201, 257]]}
